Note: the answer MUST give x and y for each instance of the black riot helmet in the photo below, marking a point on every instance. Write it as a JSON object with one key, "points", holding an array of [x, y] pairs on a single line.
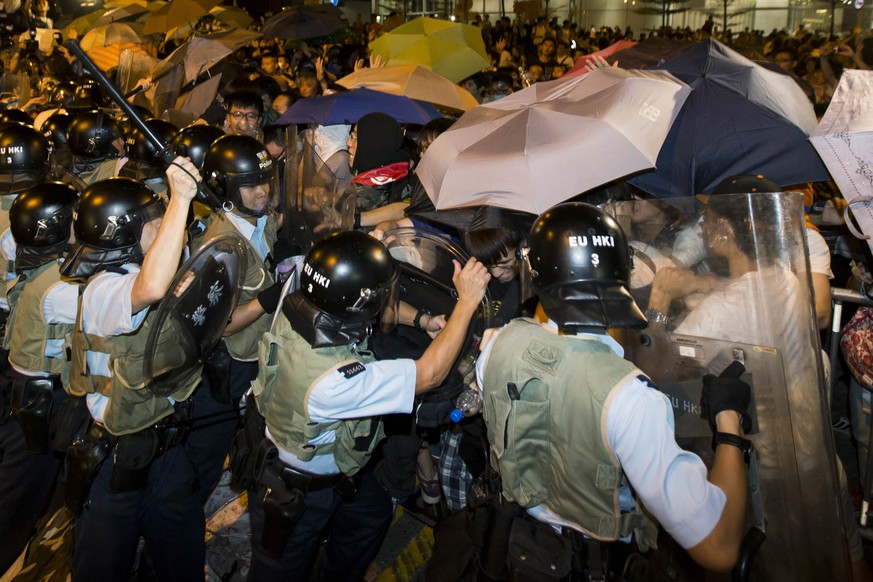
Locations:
{"points": [[40, 220], [348, 275], [137, 147], [194, 141], [63, 93], [86, 98], [108, 224], [55, 129], [24, 154], [91, 135], [236, 161], [579, 263], [16, 116]]}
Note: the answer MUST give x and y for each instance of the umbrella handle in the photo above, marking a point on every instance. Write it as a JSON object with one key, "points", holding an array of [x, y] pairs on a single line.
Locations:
{"points": [[164, 151]]}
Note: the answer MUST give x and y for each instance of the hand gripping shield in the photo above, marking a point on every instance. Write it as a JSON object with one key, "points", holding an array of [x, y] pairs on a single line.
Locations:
{"points": [[192, 317]]}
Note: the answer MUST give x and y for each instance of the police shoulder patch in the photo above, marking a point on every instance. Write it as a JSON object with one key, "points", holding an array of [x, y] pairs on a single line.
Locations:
{"points": [[351, 370]]}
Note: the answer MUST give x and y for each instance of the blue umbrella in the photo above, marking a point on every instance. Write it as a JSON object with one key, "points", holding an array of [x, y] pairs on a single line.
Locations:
{"points": [[349, 106], [739, 119]]}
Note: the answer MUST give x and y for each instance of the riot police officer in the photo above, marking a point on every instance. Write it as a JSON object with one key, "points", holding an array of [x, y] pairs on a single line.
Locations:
{"points": [[43, 310], [322, 397], [142, 162], [24, 154], [94, 137], [586, 422], [194, 141], [128, 478], [243, 176]]}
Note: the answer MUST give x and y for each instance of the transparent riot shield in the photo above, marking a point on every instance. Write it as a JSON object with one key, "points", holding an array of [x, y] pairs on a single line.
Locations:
{"points": [[192, 318], [321, 203], [133, 66], [753, 303], [426, 270]]}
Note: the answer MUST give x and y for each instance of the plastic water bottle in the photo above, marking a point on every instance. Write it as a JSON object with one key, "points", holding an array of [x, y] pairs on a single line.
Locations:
{"points": [[469, 403]]}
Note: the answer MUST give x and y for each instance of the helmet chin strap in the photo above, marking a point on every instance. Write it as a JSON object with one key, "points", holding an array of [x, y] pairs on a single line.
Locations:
{"points": [[229, 205]]}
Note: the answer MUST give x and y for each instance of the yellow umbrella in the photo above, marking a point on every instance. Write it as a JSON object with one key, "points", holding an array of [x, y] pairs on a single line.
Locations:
{"points": [[452, 49], [119, 3], [413, 81], [232, 16], [110, 34], [177, 13]]}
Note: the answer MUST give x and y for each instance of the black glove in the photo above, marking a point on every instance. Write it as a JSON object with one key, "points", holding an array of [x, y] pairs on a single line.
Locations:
{"points": [[269, 297], [727, 392], [284, 248]]}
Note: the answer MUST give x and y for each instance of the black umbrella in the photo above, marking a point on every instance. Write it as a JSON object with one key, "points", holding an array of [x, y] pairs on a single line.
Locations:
{"points": [[302, 22], [739, 119]]}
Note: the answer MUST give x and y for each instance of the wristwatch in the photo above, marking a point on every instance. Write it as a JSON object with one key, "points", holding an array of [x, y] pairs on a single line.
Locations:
{"points": [[416, 322], [654, 315], [726, 438]]}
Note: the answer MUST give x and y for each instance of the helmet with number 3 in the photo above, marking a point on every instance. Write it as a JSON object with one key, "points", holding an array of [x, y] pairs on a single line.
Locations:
{"points": [[579, 263]]}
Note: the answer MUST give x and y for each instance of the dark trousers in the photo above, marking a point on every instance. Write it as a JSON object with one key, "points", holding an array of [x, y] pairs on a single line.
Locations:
{"points": [[216, 424], [354, 529], [27, 483], [168, 514]]}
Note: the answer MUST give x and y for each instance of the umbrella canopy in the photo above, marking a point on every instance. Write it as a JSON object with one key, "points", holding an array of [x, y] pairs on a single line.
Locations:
{"points": [[83, 23], [302, 22], [349, 106], [232, 16], [452, 49], [196, 101], [413, 81], [129, 13], [739, 119], [844, 140], [177, 13], [110, 34], [196, 55], [579, 67], [234, 39], [552, 141], [650, 52]]}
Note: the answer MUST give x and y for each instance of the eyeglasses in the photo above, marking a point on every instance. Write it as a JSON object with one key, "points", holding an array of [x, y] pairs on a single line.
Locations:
{"points": [[353, 136], [239, 116], [504, 265]]}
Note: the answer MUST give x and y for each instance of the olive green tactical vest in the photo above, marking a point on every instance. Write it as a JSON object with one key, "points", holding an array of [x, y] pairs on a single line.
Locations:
{"points": [[132, 406], [26, 329], [243, 345], [288, 368], [546, 397], [7, 264]]}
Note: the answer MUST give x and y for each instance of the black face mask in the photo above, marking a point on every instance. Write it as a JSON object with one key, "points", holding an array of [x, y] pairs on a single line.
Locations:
{"points": [[320, 329]]}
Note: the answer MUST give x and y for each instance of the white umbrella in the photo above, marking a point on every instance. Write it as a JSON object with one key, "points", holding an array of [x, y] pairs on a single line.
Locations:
{"points": [[552, 141], [844, 140]]}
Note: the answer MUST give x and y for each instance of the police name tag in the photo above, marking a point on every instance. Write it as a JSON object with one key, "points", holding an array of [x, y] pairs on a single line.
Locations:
{"points": [[351, 370]]}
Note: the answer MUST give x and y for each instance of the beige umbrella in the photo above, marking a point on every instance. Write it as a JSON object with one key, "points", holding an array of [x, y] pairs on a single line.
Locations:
{"points": [[415, 82], [111, 34], [552, 141], [129, 13]]}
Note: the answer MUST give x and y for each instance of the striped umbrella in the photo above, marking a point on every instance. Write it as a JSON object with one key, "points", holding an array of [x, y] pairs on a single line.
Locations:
{"points": [[107, 57]]}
